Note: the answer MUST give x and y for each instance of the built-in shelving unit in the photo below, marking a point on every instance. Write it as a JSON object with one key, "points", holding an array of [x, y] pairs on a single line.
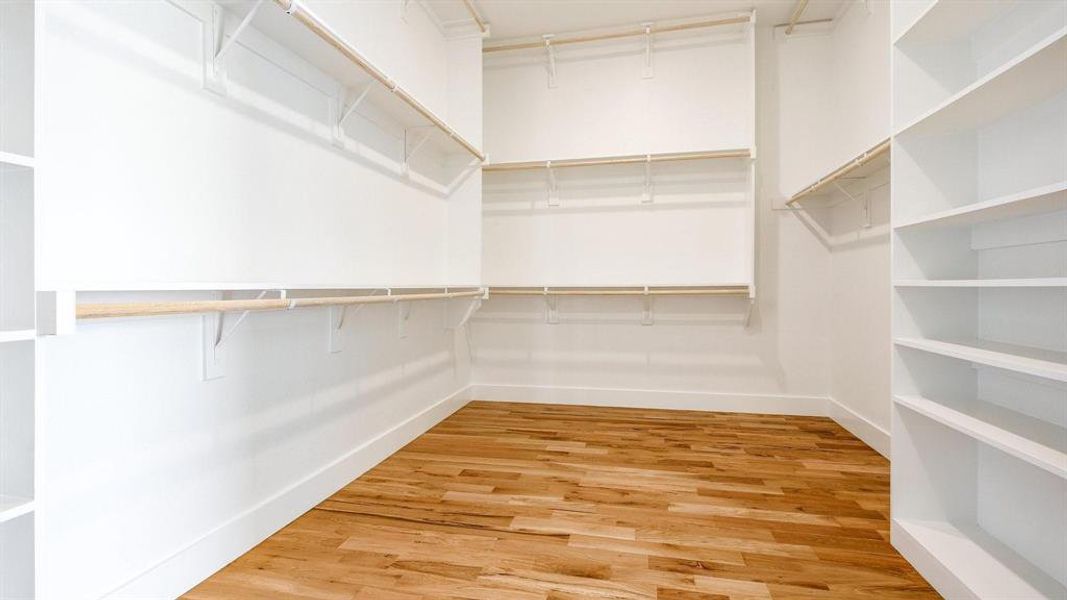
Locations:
{"points": [[17, 299], [979, 187]]}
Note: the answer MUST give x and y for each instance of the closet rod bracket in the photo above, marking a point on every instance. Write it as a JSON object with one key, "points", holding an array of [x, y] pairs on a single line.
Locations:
{"points": [[551, 308], [215, 333], [550, 57], [553, 185], [646, 315], [647, 197], [647, 72], [225, 47]]}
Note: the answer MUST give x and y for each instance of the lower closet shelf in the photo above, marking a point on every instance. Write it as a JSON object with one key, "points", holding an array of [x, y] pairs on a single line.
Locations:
{"points": [[1023, 437], [14, 506], [977, 561], [1031, 361]]}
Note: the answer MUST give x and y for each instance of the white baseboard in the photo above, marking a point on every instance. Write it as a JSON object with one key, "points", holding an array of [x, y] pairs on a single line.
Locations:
{"points": [[195, 562], [675, 400], [874, 436]]}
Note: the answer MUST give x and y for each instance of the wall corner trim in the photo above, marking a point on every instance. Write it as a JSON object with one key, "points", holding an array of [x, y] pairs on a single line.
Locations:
{"points": [[188, 566]]}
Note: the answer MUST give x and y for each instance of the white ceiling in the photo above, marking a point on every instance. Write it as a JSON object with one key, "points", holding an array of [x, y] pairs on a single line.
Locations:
{"points": [[525, 18]]}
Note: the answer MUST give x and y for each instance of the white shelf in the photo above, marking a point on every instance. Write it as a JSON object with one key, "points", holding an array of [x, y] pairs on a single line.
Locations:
{"points": [[1042, 199], [1032, 76], [1036, 282], [17, 335], [1031, 361], [341, 60], [946, 20], [1037, 442], [867, 163], [10, 160], [12, 507], [964, 561]]}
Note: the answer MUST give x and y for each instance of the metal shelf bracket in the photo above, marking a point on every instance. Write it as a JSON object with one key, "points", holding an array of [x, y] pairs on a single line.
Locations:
{"points": [[646, 315], [214, 333], [553, 185], [647, 72], [647, 197], [550, 57]]}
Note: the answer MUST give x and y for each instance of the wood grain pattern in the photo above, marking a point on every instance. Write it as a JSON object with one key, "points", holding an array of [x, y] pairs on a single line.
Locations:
{"points": [[546, 502]]}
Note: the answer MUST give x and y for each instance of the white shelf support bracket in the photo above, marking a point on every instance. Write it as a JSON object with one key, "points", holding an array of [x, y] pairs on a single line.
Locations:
{"points": [[550, 56], [403, 312], [748, 311], [647, 197], [472, 307], [214, 334], [646, 315], [551, 308], [412, 146], [647, 72], [553, 186], [232, 41], [336, 322], [866, 203], [355, 104]]}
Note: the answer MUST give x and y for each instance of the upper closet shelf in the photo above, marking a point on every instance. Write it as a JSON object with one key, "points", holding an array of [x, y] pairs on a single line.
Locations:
{"points": [[868, 162], [649, 290], [549, 41], [1043, 199], [1030, 77], [946, 20], [618, 160], [313, 40]]}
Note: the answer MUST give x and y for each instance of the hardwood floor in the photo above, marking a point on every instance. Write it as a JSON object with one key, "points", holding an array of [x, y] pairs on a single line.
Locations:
{"points": [[544, 502]]}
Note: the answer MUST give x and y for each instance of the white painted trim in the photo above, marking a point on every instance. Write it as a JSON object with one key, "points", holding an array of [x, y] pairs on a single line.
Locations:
{"points": [[177, 573], [873, 435], [667, 399]]}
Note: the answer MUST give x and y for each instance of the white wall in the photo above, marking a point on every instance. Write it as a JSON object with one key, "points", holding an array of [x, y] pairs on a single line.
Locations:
{"points": [[149, 478], [835, 104], [698, 354]]}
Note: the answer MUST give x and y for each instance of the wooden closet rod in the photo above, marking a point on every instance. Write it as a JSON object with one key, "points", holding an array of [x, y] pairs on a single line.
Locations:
{"points": [[705, 291], [578, 39], [322, 30], [617, 160], [148, 309], [843, 170], [474, 15]]}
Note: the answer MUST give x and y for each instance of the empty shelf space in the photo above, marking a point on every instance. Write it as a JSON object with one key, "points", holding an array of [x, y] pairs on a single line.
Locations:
{"points": [[1033, 201], [946, 20], [1037, 442], [979, 563], [1021, 359], [1034, 282], [1032, 76], [14, 506], [9, 160]]}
